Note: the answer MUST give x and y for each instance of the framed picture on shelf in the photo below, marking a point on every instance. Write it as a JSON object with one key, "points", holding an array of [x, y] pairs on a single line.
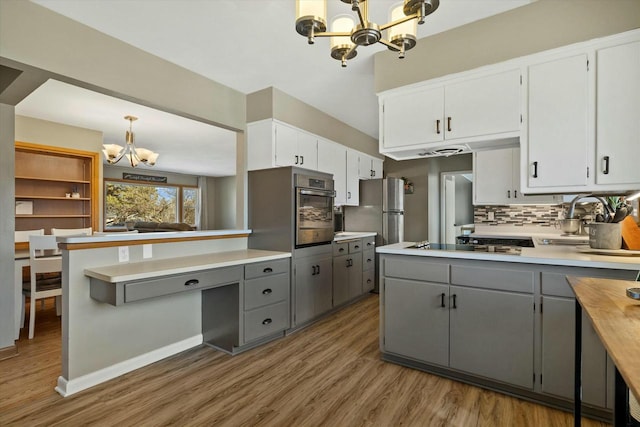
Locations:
{"points": [[24, 207]]}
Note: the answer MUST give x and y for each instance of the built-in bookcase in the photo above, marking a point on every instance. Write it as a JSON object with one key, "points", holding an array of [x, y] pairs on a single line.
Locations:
{"points": [[55, 188]]}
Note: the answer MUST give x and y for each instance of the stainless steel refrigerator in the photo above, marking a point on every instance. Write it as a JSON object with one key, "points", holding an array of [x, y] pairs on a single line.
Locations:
{"points": [[381, 210]]}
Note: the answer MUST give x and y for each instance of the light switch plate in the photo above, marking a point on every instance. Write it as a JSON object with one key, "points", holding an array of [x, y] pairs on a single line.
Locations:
{"points": [[123, 253], [147, 251]]}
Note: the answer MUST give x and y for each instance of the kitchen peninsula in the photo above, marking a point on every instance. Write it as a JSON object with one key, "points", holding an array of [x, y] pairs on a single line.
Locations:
{"points": [[500, 321], [133, 299]]}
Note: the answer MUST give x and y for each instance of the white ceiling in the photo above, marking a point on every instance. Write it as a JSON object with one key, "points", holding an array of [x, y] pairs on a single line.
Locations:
{"points": [[247, 45]]}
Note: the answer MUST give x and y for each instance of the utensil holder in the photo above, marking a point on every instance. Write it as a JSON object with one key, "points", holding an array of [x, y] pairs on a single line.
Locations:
{"points": [[603, 235]]}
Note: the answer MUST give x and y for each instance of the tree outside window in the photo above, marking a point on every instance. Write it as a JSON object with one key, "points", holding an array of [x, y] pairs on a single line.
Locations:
{"points": [[126, 202]]}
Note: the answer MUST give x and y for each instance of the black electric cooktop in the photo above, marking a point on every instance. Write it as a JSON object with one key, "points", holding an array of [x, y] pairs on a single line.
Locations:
{"points": [[499, 246]]}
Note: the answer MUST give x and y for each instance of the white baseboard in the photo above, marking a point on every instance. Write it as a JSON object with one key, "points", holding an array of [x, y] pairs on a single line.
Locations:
{"points": [[68, 387]]}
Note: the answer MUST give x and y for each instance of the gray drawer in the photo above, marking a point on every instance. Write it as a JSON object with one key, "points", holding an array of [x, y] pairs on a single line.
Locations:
{"points": [[368, 280], [355, 246], [369, 242], [492, 278], [341, 248], [266, 268], [368, 259], [266, 290], [417, 269], [143, 289], [554, 282], [265, 321]]}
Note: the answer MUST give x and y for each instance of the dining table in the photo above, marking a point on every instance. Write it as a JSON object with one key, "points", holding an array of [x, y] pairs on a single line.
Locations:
{"points": [[616, 319]]}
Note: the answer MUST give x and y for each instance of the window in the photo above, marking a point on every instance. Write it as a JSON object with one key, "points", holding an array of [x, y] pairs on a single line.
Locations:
{"points": [[129, 202]]}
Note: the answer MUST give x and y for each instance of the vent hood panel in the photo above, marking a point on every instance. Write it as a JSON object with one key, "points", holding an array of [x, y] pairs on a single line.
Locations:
{"points": [[446, 149]]}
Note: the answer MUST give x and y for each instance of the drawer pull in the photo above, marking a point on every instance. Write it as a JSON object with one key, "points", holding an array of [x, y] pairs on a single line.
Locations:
{"points": [[191, 282], [267, 321], [368, 280], [267, 291], [268, 270], [341, 250], [369, 260], [369, 243], [357, 246]]}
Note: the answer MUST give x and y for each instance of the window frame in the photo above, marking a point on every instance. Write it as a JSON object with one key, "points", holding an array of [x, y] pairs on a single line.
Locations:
{"points": [[179, 195]]}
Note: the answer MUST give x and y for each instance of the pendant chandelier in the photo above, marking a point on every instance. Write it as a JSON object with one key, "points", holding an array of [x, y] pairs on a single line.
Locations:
{"points": [[114, 152], [347, 34]]}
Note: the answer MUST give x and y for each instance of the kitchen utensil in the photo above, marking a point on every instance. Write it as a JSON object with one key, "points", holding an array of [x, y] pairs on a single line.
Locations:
{"points": [[604, 235], [569, 226], [620, 214], [633, 293]]}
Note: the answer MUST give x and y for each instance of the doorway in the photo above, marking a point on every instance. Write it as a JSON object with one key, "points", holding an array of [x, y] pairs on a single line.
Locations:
{"points": [[456, 204]]}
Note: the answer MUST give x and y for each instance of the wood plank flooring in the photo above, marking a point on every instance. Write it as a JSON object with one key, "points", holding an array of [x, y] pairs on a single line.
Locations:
{"points": [[329, 374]]}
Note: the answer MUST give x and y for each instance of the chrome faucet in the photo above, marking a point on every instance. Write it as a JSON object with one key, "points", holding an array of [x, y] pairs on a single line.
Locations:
{"points": [[572, 206]]}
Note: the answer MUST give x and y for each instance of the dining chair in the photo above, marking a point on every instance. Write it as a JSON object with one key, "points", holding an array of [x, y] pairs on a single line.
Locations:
{"points": [[71, 231], [42, 259], [23, 235]]}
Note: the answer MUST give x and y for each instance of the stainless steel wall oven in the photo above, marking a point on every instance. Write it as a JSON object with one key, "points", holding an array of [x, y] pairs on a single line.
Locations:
{"points": [[313, 210]]}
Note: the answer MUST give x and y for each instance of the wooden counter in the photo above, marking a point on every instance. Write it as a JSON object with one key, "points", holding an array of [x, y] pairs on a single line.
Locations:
{"points": [[616, 319]]}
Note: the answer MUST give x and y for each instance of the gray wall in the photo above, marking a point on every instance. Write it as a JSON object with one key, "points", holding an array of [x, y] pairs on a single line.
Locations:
{"points": [[422, 208], [539, 26], [273, 103], [223, 203], [7, 225], [464, 200]]}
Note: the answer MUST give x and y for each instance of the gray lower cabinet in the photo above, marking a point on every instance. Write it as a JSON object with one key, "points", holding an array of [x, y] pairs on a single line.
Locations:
{"points": [[347, 271], [313, 287], [491, 334], [479, 319], [416, 320], [558, 332], [254, 310]]}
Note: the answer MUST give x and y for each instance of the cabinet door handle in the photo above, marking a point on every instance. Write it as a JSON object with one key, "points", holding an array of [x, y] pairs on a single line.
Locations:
{"points": [[454, 301], [191, 282], [606, 165], [535, 169], [373, 173], [448, 124], [369, 243], [515, 194], [302, 160], [267, 321], [369, 260], [508, 194], [317, 269], [267, 291], [442, 295], [268, 270], [296, 160], [438, 126], [357, 246], [348, 194], [313, 270], [346, 263]]}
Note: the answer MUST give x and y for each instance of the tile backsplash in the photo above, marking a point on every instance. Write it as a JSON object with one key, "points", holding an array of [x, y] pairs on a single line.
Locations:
{"points": [[521, 215]]}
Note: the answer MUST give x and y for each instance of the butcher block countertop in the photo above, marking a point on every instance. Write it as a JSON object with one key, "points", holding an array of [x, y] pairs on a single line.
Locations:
{"points": [[616, 319]]}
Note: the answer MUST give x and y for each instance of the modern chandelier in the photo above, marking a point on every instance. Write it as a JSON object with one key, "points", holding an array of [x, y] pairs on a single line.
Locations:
{"points": [[114, 152], [347, 34]]}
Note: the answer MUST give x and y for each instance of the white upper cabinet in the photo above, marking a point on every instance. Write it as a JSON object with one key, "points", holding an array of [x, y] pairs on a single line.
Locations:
{"points": [[618, 115], [353, 180], [488, 105], [558, 124], [369, 167], [410, 118], [332, 158], [272, 144], [470, 108], [496, 179], [583, 130]]}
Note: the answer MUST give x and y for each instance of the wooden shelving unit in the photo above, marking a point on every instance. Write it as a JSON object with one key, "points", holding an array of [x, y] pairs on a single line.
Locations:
{"points": [[44, 175]]}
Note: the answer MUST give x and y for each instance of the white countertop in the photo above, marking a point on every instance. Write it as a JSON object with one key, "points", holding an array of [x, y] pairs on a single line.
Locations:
{"points": [[125, 237], [347, 235], [163, 267], [548, 255]]}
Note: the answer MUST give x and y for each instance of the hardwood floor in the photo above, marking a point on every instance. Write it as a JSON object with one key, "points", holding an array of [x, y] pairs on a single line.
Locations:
{"points": [[329, 374]]}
